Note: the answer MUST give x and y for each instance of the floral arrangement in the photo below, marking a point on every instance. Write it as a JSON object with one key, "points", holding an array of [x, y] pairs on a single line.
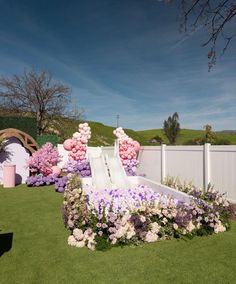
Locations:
{"points": [[60, 183], [81, 167], [43, 160], [211, 196], [128, 149], [116, 217], [130, 167], [77, 145], [40, 180]]}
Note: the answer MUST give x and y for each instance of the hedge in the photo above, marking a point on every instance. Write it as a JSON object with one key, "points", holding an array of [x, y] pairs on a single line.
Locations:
{"points": [[25, 124], [47, 138]]}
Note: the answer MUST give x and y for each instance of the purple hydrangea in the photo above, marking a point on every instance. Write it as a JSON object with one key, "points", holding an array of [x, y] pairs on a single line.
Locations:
{"points": [[40, 180], [82, 168], [60, 184], [130, 167]]}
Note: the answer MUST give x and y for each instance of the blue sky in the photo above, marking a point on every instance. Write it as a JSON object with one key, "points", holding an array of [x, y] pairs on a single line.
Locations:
{"points": [[121, 57]]}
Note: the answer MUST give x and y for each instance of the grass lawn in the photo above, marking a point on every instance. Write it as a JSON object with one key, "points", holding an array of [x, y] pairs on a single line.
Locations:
{"points": [[40, 253]]}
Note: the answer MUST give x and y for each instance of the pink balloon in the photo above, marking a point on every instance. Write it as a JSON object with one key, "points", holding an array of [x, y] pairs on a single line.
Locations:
{"points": [[68, 144], [56, 170], [136, 146]]}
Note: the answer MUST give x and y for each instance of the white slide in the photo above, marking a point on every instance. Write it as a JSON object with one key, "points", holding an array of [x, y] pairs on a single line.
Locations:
{"points": [[118, 176], [100, 176]]}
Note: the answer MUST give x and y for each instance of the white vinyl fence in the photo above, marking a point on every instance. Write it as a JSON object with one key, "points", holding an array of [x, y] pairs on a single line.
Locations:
{"points": [[199, 164]]}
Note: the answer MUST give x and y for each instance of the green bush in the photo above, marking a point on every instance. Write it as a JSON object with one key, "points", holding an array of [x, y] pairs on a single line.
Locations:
{"points": [[41, 140], [25, 124]]}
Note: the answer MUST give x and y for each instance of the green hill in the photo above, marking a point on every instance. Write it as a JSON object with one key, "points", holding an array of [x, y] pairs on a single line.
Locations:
{"points": [[185, 136], [102, 135]]}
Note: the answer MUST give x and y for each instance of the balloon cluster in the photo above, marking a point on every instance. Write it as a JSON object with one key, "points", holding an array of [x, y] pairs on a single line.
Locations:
{"points": [[128, 148], [77, 145]]}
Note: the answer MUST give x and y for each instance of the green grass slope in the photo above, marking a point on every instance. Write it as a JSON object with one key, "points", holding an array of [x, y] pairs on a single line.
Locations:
{"points": [[40, 253], [102, 135], [185, 135]]}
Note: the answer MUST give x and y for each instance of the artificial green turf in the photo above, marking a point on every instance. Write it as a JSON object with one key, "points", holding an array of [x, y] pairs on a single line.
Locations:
{"points": [[40, 253]]}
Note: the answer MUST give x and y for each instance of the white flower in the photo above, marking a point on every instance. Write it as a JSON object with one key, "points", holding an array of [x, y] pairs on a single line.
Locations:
{"points": [[72, 241], [142, 219], [175, 226], [155, 227], [164, 221], [219, 228], [80, 244], [150, 237], [190, 226], [91, 245], [78, 234]]}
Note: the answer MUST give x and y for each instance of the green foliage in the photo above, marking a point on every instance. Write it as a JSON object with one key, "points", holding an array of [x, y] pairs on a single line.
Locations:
{"points": [[156, 139], [25, 124], [222, 141], [171, 128], [102, 243], [43, 139]]}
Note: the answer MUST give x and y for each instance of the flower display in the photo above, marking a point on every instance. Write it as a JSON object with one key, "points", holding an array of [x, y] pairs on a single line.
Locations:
{"points": [[60, 183], [130, 167], [77, 145], [40, 180], [81, 167], [99, 219], [42, 161]]}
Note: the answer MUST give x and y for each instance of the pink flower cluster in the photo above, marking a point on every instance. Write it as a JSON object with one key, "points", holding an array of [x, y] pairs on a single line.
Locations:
{"points": [[43, 160], [77, 145]]}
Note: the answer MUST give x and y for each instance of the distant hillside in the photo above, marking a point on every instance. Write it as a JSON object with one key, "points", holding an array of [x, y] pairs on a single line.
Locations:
{"points": [[185, 135], [102, 135]]}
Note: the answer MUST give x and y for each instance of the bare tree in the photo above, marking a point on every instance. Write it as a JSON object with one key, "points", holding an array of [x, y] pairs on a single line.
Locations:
{"points": [[35, 93], [216, 16]]}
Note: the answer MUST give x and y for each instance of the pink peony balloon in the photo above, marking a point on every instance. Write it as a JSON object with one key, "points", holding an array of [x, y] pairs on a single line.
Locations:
{"points": [[68, 144], [56, 170]]}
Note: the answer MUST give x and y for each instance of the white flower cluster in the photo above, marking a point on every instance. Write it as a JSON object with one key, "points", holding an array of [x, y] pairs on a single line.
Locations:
{"points": [[80, 239]]}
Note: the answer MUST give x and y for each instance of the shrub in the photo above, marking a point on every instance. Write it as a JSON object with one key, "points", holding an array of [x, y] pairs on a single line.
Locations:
{"points": [[43, 139]]}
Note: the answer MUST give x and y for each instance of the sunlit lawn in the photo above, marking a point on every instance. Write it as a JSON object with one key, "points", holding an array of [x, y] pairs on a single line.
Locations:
{"points": [[40, 253]]}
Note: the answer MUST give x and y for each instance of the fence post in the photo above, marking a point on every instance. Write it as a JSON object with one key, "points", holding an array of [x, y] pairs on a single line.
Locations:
{"points": [[163, 162], [207, 166]]}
